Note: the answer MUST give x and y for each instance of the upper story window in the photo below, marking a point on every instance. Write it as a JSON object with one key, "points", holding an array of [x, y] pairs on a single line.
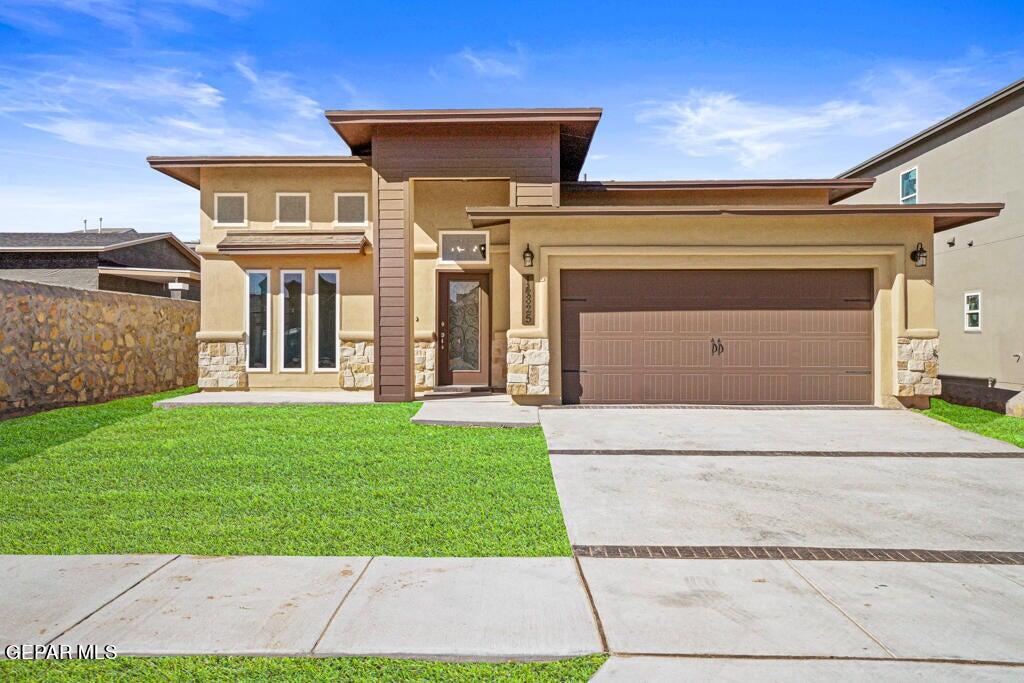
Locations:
{"points": [[292, 209], [972, 312], [351, 209], [463, 246], [908, 186], [229, 209]]}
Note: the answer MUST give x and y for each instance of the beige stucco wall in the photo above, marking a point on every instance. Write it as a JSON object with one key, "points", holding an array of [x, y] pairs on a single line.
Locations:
{"points": [[262, 185], [903, 293], [977, 163]]}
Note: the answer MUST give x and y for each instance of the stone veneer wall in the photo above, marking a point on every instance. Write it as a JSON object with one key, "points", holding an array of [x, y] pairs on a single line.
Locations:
{"points": [[222, 365], [917, 370], [424, 355], [499, 360], [63, 346], [356, 365], [528, 366]]}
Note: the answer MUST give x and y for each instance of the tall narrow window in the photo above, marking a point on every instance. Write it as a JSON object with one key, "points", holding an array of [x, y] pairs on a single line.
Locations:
{"points": [[908, 186], [257, 333], [293, 312], [326, 320], [972, 312]]}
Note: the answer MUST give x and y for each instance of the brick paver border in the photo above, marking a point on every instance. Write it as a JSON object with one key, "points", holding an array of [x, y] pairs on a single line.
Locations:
{"points": [[776, 552], [805, 454]]}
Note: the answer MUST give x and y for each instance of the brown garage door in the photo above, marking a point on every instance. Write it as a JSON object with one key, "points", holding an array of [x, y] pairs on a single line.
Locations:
{"points": [[717, 336]]}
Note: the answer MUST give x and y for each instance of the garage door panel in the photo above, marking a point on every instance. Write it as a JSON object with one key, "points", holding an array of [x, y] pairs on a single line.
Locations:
{"points": [[787, 336]]}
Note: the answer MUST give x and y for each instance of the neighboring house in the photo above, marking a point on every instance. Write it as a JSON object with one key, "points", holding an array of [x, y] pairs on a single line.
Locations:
{"points": [[976, 154], [115, 260], [459, 248]]}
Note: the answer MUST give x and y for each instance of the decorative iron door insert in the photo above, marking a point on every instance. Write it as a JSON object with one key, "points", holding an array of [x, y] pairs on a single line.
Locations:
{"points": [[464, 329]]}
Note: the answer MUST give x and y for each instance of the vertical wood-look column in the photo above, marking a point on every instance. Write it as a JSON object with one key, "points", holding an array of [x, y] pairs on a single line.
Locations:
{"points": [[392, 278]]}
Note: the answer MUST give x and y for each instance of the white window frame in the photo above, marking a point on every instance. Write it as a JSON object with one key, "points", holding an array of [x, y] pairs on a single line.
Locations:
{"points": [[967, 310], [487, 247], [245, 210], [316, 319], [917, 185], [270, 326], [277, 210], [366, 210], [283, 328]]}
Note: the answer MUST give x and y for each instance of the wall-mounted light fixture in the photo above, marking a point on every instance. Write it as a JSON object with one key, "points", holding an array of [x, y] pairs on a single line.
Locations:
{"points": [[919, 256], [528, 257]]}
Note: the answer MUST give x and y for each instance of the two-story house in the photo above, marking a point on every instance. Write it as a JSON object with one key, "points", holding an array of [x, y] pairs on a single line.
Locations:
{"points": [[458, 247]]}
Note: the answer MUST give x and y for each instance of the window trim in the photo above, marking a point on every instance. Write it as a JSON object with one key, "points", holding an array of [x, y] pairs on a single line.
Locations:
{"points": [[245, 210], [917, 185], [283, 328], [366, 210], [487, 247], [277, 213], [270, 327], [967, 311], [316, 319]]}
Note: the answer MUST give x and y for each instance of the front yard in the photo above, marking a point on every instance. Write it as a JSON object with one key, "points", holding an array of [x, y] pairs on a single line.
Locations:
{"points": [[985, 422], [123, 477]]}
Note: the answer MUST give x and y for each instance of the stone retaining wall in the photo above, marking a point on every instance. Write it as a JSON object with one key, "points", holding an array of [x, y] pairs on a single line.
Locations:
{"points": [[528, 366], [62, 346], [356, 365], [222, 365]]}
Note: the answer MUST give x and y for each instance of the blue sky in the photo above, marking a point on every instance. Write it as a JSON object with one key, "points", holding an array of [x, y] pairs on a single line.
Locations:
{"points": [[89, 88]]}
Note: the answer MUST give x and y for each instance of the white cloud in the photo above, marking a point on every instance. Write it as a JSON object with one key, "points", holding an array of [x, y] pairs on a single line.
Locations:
{"points": [[125, 16], [493, 64], [755, 135], [272, 88]]}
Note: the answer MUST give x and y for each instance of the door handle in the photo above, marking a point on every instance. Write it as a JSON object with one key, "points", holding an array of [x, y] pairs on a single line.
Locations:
{"points": [[721, 347], [716, 346]]}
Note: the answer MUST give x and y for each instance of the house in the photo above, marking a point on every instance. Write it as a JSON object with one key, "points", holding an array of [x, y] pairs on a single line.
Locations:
{"points": [[975, 154], [115, 260], [459, 248]]}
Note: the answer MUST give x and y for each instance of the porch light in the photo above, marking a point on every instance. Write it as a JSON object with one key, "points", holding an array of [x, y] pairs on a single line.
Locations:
{"points": [[528, 256], [919, 256]]}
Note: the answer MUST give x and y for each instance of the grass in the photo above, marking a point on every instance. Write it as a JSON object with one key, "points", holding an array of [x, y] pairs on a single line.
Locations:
{"points": [[123, 477], [978, 420], [294, 669]]}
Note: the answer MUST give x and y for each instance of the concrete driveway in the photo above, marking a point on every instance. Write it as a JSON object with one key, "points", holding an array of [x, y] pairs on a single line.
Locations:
{"points": [[766, 477]]}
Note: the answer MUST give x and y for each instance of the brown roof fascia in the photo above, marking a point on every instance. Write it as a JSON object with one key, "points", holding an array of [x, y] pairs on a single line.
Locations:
{"points": [[973, 110], [576, 126], [839, 188], [293, 242], [945, 216], [186, 169]]}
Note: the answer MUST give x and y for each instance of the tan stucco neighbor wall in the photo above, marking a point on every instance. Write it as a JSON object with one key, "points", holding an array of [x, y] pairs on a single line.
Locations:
{"points": [[902, 291], [62, 346]]}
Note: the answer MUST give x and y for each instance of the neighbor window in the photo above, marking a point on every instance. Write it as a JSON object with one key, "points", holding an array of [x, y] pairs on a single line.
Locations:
{"points": [[257, 316], [229, 209], [293, 313], [908, 187], [972, 312], [463, 246], [326, 310], [350, 208], [292, 208]]}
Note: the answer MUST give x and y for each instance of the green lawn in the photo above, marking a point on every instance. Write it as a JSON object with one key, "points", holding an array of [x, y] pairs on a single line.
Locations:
{"points": [[269, 668], [979, 421], [123, 477]]}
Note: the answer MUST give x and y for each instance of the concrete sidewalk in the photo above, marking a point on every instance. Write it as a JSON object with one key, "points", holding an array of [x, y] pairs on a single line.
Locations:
{"points": [[485, 410], [498, 609]]}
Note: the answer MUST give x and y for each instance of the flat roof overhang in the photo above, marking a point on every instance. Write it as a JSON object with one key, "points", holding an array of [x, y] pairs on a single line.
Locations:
{"points": [[150, 274], [944, 216], [838, 188], [242, 242], [576, 126], [186, 169]]}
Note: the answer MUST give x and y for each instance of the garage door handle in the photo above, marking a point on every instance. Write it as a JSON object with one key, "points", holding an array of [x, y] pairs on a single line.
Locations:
{"points": [[716, 346]]}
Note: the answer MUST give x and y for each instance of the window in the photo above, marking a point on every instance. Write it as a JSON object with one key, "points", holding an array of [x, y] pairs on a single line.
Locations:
{"points": [[293, 314], [972, 312], [908, 186], [464, 246], [229, 209], [326, 311], [257, 320], [350, 209], [293, 208]]}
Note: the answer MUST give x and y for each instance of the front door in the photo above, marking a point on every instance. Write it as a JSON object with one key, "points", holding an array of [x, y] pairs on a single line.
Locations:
{"points": [[464, 329]]}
